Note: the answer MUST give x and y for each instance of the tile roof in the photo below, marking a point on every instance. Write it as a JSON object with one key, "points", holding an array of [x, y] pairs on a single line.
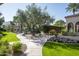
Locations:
{"points": [[72, 16]]}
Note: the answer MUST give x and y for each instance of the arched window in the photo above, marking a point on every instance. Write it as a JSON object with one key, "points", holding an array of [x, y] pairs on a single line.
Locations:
{"points": [[70, 27], [77, 27]]}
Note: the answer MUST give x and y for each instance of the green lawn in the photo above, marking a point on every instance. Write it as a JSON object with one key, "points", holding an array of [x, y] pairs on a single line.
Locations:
{"points": [[9, 36], [60, 49]]}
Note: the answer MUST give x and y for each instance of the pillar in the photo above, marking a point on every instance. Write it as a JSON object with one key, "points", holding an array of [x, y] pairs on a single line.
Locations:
{"points": [[74, 27], [67, 27]]}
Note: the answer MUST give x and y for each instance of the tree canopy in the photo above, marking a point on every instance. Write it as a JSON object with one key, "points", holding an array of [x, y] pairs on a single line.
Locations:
{"points": [[73, 7], [33, 17], [1, 19], [60, 23]]}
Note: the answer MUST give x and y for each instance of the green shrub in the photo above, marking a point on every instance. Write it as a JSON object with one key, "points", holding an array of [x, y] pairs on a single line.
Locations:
{"points": [[17, 48], [4, 51], [1, 29], [69, 34], [4, 43], [9, 36], [4, 48]]}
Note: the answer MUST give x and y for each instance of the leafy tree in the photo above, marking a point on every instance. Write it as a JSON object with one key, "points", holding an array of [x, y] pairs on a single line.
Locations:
{"points": [[39, 17], [1, 20], [33, 17], [73, 7], [20, 18], [60, 23], [12, 26]]}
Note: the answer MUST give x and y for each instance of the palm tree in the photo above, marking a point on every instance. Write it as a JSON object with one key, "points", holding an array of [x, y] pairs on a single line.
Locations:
{"points": [[73, 7]]}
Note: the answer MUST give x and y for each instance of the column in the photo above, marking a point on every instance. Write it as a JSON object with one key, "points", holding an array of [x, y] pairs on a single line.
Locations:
{"points": [[67, 27], [74, 27]]}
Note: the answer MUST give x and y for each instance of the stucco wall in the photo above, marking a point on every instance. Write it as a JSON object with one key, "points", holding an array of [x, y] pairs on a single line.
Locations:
{"points": [[74, 20]]}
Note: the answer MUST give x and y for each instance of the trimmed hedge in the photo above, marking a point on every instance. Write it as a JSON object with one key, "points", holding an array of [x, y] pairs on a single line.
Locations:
{"points": [[69, 34]]}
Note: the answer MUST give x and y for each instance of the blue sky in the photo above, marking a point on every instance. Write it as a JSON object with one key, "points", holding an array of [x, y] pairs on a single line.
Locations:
{"points": [[57, 10]]}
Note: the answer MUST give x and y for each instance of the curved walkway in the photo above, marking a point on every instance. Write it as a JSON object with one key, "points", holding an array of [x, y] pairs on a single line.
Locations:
{"points": [[34, 47]]}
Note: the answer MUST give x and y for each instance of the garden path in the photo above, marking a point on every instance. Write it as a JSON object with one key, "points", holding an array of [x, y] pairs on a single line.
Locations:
{"points": [[34, 47]]}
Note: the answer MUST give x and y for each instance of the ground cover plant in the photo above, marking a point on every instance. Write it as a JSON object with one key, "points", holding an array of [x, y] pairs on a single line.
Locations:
{"points": [[9, 36]]}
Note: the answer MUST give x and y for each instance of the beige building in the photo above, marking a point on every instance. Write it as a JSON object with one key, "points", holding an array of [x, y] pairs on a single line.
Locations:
{"points": [[72, 23]]}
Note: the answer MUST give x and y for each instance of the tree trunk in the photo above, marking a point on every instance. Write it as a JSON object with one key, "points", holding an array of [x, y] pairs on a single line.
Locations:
{"points": [[73, 12], [21, 28]]}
